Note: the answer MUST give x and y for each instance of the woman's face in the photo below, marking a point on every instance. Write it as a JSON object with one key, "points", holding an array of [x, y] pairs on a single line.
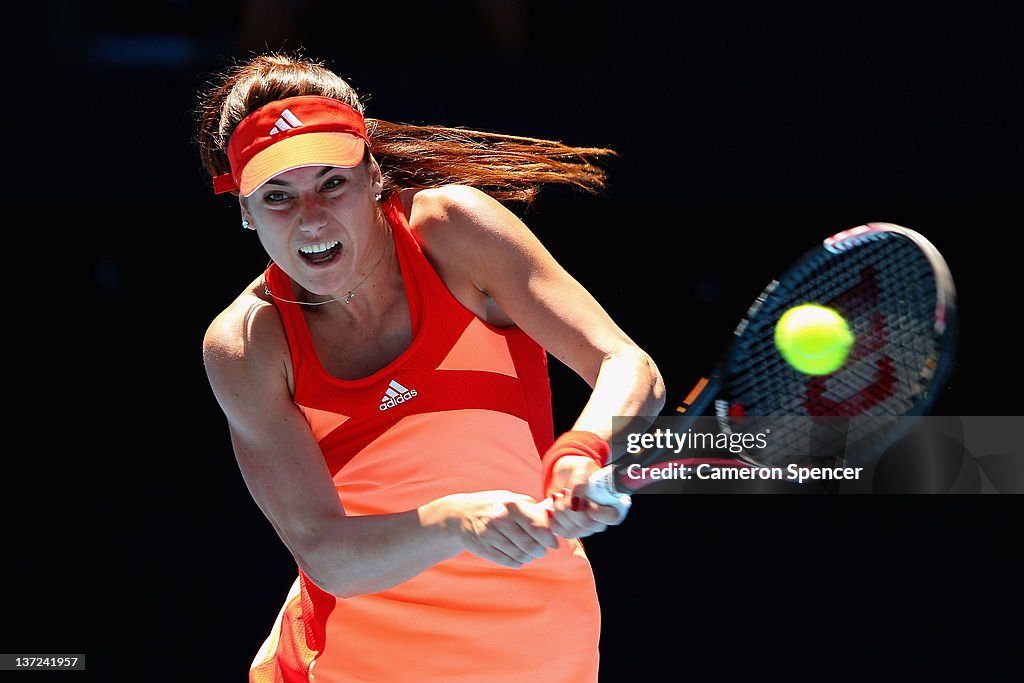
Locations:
{"points": [[318, 223]]}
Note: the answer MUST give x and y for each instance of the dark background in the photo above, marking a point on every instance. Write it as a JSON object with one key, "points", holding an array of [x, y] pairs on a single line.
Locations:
{"points": [[746, 135]]}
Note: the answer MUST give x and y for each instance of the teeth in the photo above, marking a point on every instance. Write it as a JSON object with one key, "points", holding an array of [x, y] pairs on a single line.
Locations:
{"points": [[319, 248]]}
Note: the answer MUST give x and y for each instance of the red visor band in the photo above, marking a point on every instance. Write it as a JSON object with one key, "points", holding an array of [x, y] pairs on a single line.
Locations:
{"points": [[291, 133]]}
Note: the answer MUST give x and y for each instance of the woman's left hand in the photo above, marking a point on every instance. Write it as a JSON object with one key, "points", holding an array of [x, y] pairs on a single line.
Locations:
{"points": [[573, 515]]}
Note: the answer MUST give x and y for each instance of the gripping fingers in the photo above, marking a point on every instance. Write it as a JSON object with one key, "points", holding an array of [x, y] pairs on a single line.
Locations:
{"points": [[601, 489], [576, 517], [513, 538], [501, 550], [591, 508]]}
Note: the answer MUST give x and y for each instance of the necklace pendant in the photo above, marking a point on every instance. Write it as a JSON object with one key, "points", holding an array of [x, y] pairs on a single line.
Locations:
{"points": [[348, 297]]}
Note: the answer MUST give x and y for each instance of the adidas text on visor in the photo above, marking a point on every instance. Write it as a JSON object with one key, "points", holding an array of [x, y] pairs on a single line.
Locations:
{"points": [[292, 133]]}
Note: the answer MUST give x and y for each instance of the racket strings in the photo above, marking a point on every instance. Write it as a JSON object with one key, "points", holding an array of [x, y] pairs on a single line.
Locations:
{"points": [[886, 291]]}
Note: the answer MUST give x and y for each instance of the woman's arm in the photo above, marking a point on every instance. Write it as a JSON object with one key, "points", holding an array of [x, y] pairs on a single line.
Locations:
{"points": [[498, 268], [246, 359]]}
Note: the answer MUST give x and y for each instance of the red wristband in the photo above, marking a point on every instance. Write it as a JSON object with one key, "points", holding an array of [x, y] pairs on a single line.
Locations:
{"points": [[583, 443]]}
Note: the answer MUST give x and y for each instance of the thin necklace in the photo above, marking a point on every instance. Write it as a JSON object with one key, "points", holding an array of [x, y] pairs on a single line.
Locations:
{"points": [[351, 293]]}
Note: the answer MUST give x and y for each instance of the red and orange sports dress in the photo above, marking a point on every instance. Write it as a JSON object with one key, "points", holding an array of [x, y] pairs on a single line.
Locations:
{"points": [[467, 407]]}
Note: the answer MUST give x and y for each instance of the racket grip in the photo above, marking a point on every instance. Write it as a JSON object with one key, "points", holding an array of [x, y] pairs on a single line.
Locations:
{"points": [[601, 490]]}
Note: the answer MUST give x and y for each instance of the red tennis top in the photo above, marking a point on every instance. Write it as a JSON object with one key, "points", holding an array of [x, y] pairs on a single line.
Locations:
{"points": [[467, 407]]}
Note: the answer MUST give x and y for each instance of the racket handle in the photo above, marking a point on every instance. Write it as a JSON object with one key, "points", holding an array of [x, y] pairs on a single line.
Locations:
{"points": [[601, 490]]}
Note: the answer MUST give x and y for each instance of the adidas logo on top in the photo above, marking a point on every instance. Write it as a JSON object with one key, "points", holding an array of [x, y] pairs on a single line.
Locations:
{"points": [[396, 394], [287, 121]]}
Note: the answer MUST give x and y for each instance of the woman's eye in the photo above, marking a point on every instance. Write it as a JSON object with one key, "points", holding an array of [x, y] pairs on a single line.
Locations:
{"points": [[275, 197], [333, 183]]}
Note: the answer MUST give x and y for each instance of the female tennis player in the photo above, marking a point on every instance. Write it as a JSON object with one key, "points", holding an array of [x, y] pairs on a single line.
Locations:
{"points": [[385, 386]]}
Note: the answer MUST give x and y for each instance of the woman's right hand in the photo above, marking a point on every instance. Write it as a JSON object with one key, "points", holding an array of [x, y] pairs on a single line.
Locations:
{"points": [[509, 529]]}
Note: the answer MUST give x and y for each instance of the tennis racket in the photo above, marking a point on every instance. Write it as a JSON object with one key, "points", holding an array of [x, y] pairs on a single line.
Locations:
{"points": [[896, 293]]}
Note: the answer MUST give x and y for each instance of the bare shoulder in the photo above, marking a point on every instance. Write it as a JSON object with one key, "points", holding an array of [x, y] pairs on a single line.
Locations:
{"points": [[467, 236], [436, 202], [244, 339], [458, 220], [459, 206]]}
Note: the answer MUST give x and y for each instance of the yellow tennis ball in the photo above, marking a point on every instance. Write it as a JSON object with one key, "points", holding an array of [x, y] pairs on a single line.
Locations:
{"points": [[813, 339]]}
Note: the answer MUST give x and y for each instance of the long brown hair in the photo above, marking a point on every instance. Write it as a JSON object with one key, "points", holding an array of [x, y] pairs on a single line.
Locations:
{"points": [[510, 168]]}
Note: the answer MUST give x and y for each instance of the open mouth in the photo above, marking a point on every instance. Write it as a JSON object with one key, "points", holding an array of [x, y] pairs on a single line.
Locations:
{"points": [[318, 254]]}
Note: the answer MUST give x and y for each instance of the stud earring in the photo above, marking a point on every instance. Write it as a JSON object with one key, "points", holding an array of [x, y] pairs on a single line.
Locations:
{"points": [[245, 224], [377, 197]]}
